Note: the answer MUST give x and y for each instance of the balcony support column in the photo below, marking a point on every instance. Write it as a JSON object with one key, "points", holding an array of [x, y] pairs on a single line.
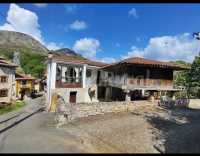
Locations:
{"points": [[108, 93], [143, 92], [128, 95], [84, 76]]}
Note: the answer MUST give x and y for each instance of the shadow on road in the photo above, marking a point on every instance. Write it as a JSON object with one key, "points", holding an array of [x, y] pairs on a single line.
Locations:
{"points": [[179, 137]]}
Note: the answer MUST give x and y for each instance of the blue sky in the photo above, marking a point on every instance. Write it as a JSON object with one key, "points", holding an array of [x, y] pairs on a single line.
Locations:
{"points": [[110, 32]]}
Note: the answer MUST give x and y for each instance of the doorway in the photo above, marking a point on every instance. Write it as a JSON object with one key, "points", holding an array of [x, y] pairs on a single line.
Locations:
{"points": [[72, 97]]}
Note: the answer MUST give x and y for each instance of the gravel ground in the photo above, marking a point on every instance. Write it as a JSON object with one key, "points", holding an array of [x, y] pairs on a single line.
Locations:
{"points": [[149, 129]]}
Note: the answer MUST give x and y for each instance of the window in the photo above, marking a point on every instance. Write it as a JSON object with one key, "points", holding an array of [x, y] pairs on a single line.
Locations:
{"points": [[3, 93], [88, 73], [58, 73], [3, 79], [109, 74], [24, 82], [72, 97]]}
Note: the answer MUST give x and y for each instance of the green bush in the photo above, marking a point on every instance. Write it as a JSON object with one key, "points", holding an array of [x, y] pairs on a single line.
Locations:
{"points": [[12, 107]]}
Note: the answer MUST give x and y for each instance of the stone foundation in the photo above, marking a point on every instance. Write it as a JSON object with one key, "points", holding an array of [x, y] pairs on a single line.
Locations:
{"points": [[85, 110]]}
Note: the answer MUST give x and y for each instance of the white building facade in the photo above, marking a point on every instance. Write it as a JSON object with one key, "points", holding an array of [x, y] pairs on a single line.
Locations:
{"points": [[74, 80]]}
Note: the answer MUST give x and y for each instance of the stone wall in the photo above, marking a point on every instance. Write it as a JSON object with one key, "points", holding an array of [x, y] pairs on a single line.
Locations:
{"points": [[67, 111], [87, 109]]}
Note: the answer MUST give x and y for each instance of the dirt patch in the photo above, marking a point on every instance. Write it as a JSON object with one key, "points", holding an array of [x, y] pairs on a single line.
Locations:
{"points": [[149, 129], [113, 133]]}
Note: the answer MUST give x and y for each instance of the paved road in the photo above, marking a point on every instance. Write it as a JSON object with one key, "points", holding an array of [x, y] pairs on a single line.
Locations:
{"points": [[36, 134], [108, 133]]}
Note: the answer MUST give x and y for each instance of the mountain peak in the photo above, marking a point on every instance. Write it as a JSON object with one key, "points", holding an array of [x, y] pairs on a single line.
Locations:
{"points": [[17, 40], [67, 51]]}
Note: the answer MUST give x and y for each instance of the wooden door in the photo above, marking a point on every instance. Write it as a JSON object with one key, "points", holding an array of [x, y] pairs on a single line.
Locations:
{"points": [[72, 98]]}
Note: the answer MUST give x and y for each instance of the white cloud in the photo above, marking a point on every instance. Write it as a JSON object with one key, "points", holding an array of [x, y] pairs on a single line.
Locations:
{"points": [[134, 52], [168, 48], [54, 46], [40, 5], [22, 20], [107, 60], [7, 26], [133, 13], [87, 47], [78, 25], [26, 21]]}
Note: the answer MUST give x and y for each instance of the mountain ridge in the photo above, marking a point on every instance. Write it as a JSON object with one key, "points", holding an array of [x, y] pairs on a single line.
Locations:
{"points": [[12, 41]]}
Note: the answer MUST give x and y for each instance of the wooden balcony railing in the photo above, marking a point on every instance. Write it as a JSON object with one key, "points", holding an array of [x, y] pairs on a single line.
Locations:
{"points": [[24, 86], [138, 83], [69, 82]]}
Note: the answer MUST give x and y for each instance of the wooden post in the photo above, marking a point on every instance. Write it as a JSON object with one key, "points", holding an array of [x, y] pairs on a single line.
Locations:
{"points": [[128, 96]]}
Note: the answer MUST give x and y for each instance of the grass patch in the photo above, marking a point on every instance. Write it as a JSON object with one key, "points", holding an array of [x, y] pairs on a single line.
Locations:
{"points": [[13, 107]]}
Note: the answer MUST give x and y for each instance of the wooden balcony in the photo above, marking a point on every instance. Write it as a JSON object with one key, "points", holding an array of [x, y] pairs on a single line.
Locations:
{"points": [[24, 86], [150, 84], [69, 83]]}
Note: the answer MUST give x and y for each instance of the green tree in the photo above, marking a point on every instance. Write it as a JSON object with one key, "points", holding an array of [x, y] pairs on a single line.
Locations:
{"points": [[181, 77], [33, 64], [194, 77]]}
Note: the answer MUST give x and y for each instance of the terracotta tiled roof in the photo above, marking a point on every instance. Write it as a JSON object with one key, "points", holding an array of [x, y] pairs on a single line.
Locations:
{"points": [[5, 63], [147, 62], [23, 77], [78, 60]]}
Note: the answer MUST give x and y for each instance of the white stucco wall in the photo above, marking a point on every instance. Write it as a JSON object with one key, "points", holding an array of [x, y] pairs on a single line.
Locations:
{"points": [[88, 83], [81, 95], [51, 80], [10, 84], [92, 80]]}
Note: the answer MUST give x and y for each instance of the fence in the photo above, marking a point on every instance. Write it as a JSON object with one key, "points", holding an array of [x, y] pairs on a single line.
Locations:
{"points": [[174, 103]]}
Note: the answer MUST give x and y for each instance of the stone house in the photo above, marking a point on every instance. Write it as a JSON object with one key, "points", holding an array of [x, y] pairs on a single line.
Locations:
{"points": [[7, 81], [82, 80]]}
